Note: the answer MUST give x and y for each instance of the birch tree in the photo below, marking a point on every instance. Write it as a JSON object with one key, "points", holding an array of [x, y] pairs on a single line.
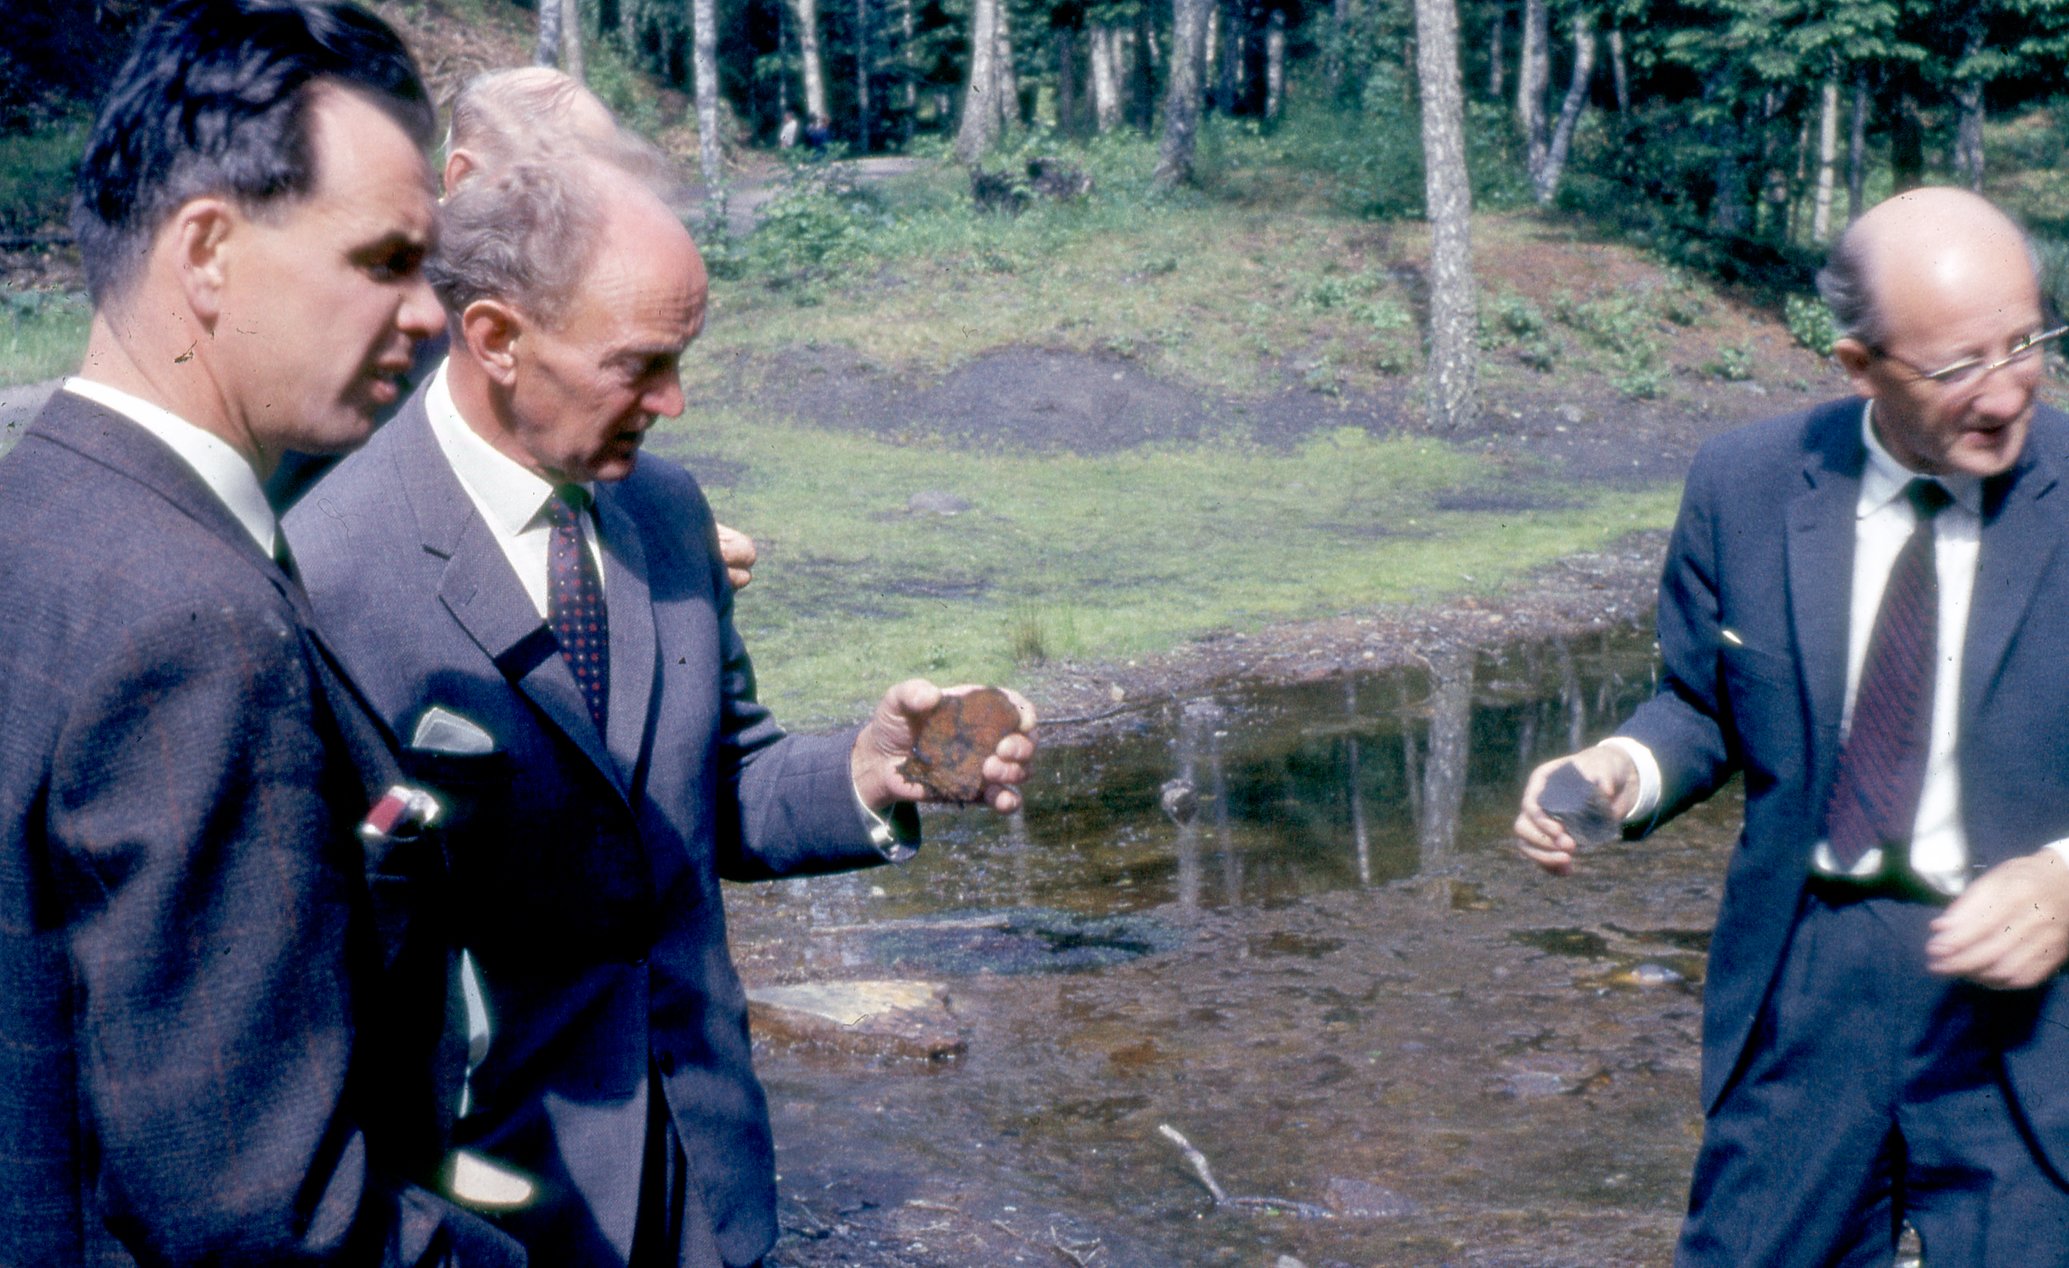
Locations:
{"points": [[1452, 366], [704, 65], [979, 130], [1182, 93]]}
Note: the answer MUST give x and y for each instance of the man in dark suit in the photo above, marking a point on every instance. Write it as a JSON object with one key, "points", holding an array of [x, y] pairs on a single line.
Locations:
{"points": [[1862, 615], [498, 117], [219, 1019], [508, 578]]}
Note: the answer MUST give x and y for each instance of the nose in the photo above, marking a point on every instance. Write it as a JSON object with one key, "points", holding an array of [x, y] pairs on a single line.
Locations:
{"points": [[420, 316], [665, 399], [2007, 388]]}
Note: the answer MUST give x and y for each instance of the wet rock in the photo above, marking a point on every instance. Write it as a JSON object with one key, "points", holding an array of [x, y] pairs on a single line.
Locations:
{"points": [[1179, 799], [1547, 1074], [948, 754], [1016, 940], [1363, 1200], [869, 1017]]}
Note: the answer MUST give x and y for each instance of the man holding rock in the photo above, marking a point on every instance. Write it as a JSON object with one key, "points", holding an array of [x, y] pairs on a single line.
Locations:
{"points": [[511, 582], [1862, 614]]}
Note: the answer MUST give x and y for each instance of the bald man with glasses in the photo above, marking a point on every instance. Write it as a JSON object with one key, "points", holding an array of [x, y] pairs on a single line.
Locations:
{"points": [[1863, 615]]}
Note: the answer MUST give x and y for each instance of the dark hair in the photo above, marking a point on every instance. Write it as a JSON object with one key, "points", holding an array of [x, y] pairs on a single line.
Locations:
{"points": [[213, 99]]}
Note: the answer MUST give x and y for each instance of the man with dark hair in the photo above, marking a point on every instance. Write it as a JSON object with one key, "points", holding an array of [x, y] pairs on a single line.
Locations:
{"points": [[1862, 615], [220, 1010], [543, 610]]}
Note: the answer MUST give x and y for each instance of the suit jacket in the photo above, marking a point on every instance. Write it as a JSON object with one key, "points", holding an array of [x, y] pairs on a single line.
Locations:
{"points": [[588, 865], [1764, 548], [191, 933]]}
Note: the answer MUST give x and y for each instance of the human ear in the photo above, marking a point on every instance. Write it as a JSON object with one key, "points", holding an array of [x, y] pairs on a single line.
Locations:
{"points": [[200, 238], [1854, 358], [493, 331]]}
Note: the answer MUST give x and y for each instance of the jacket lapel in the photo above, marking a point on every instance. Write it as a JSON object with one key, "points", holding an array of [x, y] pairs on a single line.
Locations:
{"points": [[629, 601], [1820, 548], [482, 592], [2023, 529]]}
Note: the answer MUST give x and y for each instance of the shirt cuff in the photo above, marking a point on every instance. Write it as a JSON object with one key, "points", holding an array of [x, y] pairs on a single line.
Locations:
{"points": [[896, 837], [1648, 776]]}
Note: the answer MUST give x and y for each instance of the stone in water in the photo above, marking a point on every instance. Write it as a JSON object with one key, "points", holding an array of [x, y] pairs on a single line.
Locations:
{"points": [[948, 756]]}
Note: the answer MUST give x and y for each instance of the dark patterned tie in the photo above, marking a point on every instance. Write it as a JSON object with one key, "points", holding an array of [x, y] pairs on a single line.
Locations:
{"points": [[1882, 764], [574, 602]]}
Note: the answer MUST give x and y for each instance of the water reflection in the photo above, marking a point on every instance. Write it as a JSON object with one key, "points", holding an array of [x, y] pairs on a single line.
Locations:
{"points": [[1289, 791]]}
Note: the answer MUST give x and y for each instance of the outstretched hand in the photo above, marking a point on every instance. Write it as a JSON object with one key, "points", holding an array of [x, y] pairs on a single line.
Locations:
{"points": [[2010, 928], [886, 741], [1544, 840]]}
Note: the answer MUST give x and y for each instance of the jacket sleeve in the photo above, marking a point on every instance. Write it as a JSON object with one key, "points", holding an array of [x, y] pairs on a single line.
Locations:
{"points": [[1687, 725], [201, 818]]}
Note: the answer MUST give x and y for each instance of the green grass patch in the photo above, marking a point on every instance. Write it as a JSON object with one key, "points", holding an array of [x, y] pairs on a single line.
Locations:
{"points": [[42, 335], [36, 175], [1102, 558]]}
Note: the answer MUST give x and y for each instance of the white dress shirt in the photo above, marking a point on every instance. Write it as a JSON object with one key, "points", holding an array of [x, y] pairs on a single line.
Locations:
{"points": [[1883, 520], [208, 455], [512, 499]]}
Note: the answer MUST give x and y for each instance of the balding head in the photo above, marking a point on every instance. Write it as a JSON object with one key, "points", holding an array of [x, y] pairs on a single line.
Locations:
{"points": [[1936, 290], [534, 113]]}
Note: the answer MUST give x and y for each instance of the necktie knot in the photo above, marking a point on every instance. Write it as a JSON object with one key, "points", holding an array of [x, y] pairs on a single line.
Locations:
{"points": [[1928, 498], [565, 507]]}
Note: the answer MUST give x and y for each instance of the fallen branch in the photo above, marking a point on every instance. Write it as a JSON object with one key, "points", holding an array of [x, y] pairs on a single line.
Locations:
{"points": [[1305, 1210]]}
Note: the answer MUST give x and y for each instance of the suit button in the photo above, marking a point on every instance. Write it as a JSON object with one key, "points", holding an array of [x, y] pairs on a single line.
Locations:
{"points": [[666, 1062]]}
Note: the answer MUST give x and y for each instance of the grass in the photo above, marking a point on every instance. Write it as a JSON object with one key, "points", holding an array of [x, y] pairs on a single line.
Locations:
{"points": [[1065, 557], [41, 335]]}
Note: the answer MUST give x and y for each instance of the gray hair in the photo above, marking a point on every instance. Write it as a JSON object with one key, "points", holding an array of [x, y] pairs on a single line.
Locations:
{"points": [[536, 113], [523, 236], [1843, 285]]}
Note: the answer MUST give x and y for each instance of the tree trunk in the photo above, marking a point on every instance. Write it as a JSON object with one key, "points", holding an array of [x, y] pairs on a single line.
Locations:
{"points": [[1210, 56], [1339, 39], [980, 125], [571, 38], [1544, 180], [704, 66], [1182, 93], [1275, 65], [906, 69], [1008, 94], [1619, 70], [1906, 145], [1533, 73], [1106, 81], [547, 51], [807, 13], [1142, 71], [1828, 162], [1496, 54], [1857, 151], [862, 76], [1453, 351], [1063, 43]]}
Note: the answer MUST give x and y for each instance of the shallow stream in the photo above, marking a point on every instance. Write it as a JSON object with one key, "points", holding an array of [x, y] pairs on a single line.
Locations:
{"points": [[1335, 979]]}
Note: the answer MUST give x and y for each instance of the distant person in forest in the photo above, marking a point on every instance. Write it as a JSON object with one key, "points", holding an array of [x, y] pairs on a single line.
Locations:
{"points": [[1862, 615], [786, 136], [818, 135]]}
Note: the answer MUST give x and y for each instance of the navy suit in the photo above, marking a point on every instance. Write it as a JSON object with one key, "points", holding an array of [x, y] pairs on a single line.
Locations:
{"points": [[219, 1009], [588, 865], [1764, 549]]}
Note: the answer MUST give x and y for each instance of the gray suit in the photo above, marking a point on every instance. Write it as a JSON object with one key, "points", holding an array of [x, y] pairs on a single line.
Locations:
{"points": [[588, 868], [219, 1011]]}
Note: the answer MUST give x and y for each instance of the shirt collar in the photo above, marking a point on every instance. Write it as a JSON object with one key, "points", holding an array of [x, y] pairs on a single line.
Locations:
{"points": [[1884, 478], [209, 456], [510, 495]]}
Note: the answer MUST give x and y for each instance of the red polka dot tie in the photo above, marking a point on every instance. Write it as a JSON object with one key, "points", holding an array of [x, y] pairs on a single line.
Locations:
{"points": [[574, 601]]}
